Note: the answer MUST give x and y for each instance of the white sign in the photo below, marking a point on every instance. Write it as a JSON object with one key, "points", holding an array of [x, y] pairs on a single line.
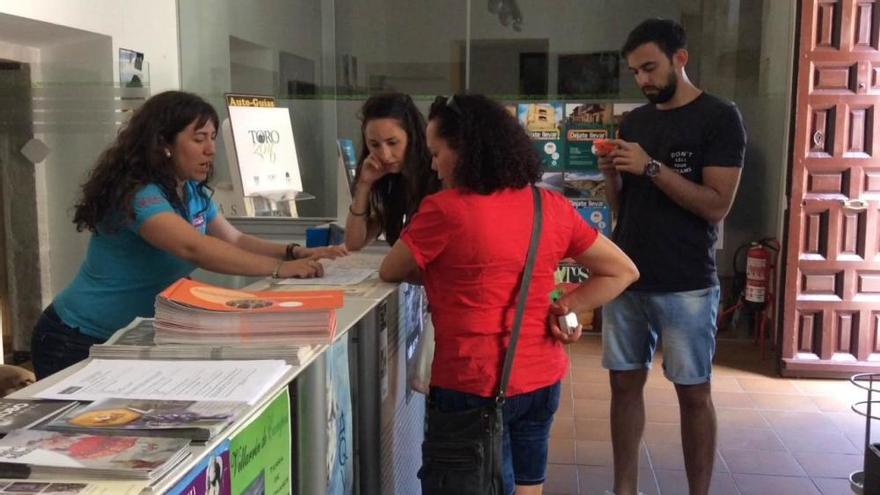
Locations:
{"points": [[265, 151]]}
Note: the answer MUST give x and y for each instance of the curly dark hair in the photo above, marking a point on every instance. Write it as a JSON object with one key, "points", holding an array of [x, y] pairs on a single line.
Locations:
{"points": [[669, 36], [397, 195], [137, 157], [494, 151]]}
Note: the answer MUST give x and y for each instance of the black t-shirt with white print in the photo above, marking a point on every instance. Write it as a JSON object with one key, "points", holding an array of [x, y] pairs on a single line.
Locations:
{"points": [[672, 247]]}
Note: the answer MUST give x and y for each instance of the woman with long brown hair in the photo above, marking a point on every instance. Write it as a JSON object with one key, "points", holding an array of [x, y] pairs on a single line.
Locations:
{"points": [[394, 173], [148, 205]]}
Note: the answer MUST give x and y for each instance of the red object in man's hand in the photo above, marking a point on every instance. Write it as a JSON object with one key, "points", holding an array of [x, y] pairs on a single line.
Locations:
{"points": [[602, 147]]}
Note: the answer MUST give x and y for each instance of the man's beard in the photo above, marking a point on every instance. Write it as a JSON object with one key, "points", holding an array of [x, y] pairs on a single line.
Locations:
{"points": [[664, 93]]}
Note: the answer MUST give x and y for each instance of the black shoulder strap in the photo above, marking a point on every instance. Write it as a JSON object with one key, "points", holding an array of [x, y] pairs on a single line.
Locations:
{"points": [[523, 295]]}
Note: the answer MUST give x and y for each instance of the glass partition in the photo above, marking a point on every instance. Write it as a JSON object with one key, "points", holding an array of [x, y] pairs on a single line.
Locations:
{"points": [[323, 58]]}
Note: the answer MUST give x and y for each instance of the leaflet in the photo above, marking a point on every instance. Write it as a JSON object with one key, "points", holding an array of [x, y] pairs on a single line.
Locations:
{"points": [[245, 381]]}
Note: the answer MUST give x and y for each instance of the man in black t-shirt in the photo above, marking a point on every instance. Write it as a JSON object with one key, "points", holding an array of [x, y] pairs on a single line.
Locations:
{"points": [[671, 180]]}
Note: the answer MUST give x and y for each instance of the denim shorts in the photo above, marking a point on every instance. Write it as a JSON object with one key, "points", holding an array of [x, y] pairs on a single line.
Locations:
{"points": [[684, 322], [527, 420]]}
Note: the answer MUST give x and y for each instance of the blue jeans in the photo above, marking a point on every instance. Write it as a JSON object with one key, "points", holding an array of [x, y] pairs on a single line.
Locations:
{"points": [[527, 420], [633, 324], [55, 346]]}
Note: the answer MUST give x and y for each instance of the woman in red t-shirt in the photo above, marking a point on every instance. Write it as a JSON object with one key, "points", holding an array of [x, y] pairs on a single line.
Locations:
{"points": [[467, 244]]}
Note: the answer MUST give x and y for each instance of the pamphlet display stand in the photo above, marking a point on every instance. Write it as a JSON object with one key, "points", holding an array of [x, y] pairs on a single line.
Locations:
{"points": [[262, 156]]}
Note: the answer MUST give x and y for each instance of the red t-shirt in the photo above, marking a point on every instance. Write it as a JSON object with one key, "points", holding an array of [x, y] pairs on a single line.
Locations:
{"points": [[472, 249]]}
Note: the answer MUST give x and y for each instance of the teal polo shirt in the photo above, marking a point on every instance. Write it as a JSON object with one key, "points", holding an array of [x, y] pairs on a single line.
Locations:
{"points": [[122, 273]]}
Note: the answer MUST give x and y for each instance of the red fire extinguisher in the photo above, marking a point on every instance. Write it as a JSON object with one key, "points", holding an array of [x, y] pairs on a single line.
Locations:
{"points": [[757, 275]]}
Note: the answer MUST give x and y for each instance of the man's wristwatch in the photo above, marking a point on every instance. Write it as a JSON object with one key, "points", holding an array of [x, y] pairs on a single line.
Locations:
{"points": [[652, 168]]}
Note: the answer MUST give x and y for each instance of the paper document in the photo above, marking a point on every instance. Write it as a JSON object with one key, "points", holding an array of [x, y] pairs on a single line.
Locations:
{"points": [[333, 275], [244, 381]]}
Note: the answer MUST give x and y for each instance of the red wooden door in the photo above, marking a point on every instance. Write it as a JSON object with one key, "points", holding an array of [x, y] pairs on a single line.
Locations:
{"points": [[831, 318]]}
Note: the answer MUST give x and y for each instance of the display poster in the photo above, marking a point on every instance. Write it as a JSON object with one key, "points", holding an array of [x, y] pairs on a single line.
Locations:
{"points": [[584, 123], [596, 213], [211, 476], [264, 149], [260, 454], [543, 123], [620, 110], [133, 71], [412, 315], [340, 452]]}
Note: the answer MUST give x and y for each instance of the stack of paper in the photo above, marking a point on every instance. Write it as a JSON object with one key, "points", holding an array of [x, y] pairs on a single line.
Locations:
{"points": [[137, 341], [71, 486], [190, 312], [196, 420], [38, 454], [100, 379]]}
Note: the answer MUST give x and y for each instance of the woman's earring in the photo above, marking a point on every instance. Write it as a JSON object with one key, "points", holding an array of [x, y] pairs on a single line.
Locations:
{"points": [[167, 153]]}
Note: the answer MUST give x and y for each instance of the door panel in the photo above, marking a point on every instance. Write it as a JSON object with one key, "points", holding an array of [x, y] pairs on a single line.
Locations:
{"points": [[831, 319]]}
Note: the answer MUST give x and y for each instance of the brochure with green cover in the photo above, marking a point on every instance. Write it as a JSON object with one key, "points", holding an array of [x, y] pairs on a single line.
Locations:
{"points": [[260, 453]]}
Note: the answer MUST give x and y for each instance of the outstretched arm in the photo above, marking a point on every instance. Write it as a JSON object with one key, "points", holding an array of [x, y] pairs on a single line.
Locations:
{"points": [[220, 228], [171, 233]]}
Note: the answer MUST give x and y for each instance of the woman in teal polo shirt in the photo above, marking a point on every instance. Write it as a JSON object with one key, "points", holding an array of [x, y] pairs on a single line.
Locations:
{"points": [[149, 208]]}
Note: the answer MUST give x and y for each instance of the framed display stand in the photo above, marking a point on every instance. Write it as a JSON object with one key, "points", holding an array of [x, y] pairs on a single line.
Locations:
{"points": [[262, 156]]}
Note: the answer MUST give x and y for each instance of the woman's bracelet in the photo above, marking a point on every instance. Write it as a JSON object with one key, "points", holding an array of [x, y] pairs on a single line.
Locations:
{"points": [[277, 270], [290, 251], [363, 214]]}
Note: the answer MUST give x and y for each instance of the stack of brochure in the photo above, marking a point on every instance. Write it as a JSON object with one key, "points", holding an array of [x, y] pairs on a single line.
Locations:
{"points": [[72, 486], [190, 312], [137, 341], [19, 414], [39, 454], [196, 420]]}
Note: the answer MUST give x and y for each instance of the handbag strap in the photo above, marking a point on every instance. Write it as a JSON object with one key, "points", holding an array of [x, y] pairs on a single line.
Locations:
{"points": [[523, 294]]}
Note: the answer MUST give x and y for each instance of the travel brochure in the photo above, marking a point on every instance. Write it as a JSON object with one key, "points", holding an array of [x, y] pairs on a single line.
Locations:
{"points": [[566, 137], [191, 312], [18, 414], [196, 420], [35, 453]]}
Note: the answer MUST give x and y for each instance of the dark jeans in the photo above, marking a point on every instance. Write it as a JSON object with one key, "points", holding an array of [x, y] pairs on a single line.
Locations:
{"points": [[55, 346], [527, 420]]}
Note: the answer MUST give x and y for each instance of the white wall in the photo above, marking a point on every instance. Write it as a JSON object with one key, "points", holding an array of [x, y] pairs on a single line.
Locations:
{"points": [[213, 64], [148, 27], [73, 46]]}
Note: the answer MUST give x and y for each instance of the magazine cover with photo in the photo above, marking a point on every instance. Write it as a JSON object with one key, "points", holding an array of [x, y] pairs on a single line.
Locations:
{"points": [[117, 454], [16, 414], [211, 476], [543, 123], [412, 318], [340, 447], [129, 415], [584, 124]]}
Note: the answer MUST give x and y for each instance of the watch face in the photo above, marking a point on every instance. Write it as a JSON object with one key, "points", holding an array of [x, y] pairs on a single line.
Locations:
{"points": [[652, 168]]}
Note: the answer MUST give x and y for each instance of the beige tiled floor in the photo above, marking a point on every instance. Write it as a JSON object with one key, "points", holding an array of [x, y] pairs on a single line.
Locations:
{"points": [[776, 436]]}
